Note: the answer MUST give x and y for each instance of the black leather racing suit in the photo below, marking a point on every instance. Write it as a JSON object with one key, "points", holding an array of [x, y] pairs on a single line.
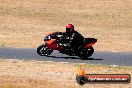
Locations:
{"points": [[75, 39]]}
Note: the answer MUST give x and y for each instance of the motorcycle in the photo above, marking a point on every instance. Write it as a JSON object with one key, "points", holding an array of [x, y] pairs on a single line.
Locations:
{"points": [[52, 42]]}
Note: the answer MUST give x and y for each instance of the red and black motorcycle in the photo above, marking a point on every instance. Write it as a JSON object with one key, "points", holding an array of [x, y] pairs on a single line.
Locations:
{"points": [[52, 42]]}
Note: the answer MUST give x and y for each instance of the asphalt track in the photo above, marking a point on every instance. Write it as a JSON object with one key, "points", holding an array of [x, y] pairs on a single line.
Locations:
{"points": [[99, 57]]}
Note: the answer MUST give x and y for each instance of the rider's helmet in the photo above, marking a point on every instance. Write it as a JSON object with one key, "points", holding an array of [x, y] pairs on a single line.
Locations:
{"points": [[69, 28]]}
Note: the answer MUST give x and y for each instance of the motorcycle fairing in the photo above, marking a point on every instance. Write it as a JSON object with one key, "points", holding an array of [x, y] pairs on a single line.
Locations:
{"points": [[52, 44]]}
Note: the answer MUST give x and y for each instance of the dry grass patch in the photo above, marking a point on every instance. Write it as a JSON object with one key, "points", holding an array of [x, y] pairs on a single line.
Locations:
{"points": [[43, 74], [24, 23]]}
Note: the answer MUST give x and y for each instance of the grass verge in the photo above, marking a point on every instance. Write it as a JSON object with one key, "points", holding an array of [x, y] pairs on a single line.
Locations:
{"points": [[45, 74]]}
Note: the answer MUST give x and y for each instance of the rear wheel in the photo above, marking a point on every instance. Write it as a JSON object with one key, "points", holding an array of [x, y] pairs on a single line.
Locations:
{"points": [[86, 52], [43, 50]]}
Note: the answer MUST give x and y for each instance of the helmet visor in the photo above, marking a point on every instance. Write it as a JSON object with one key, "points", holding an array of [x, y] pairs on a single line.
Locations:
{"points": [[68, 29]]}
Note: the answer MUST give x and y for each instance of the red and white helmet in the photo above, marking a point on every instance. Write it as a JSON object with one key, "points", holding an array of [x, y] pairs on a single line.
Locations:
{"points": [[69, 28]]}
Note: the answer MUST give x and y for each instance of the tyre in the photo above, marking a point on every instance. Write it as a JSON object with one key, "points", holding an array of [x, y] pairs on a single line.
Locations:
{"points": [[86, 52], [43, 50]]}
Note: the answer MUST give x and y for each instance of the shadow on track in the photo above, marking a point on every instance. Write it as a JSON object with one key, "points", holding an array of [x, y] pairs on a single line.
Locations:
{"points": [[73, 58], [94, 59]]}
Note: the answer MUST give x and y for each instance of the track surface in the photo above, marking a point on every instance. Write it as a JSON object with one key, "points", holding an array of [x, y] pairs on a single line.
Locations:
{"points": [[99, 57]]}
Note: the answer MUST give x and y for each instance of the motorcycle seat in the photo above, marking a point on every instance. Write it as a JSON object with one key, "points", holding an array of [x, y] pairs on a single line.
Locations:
{"points": [[89, 40]]}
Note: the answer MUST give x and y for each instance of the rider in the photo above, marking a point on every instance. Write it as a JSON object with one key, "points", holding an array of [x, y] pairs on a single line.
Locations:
{"points": [[75, 39]]}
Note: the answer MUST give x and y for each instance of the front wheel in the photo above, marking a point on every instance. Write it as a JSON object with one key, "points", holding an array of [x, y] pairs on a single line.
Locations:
{"points": [[86, 52], [43, 50]]}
